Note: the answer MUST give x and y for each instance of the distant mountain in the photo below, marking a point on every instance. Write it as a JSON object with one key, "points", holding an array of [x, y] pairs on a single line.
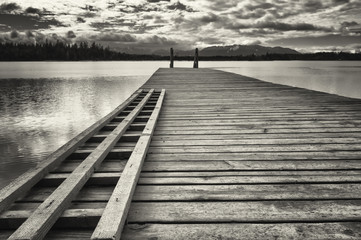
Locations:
{"points": [[244, 50], [234, 50]]}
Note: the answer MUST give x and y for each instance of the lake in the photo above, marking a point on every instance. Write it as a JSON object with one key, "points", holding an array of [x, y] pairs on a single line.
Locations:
{"points": [[44, 104]]}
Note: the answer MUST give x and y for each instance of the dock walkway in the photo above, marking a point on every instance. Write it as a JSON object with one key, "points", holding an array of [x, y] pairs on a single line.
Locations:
{"points": [[230, 157]]}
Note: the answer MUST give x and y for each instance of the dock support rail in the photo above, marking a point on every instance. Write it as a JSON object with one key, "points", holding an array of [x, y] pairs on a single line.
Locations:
{"points": [[26, 181], [111, 225], [44, 217]]}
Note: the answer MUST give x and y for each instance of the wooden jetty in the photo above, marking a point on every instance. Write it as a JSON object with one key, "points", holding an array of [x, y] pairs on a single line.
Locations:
{"points": [[225, 157]]}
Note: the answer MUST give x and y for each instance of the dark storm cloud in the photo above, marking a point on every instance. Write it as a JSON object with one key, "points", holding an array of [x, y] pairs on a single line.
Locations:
{"points": [[88, 14], [339, 2], [70, 34], [180, 6], [90, 8], [313, 5], [291, 27], [23, 22], [32, 10], [9, 7], [155, 1], [80, 20], [210, 17], [264, 5], [139, 8], [112, 23]]}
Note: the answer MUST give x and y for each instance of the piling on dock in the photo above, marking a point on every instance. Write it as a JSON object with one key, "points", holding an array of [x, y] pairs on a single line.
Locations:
{"points": [[220, 155], [195, 63], [171, 65]]}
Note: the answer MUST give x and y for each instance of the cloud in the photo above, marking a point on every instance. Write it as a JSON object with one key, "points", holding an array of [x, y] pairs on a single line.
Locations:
{"points": [[325, 41], [80, 20], [291, 27], [114, 37], [313, 5], [350, 27], [155, 1], [180, 6], [9, 7], [32, 10], [24, 22]]}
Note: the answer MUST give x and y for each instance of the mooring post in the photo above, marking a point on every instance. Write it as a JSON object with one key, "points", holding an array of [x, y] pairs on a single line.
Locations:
{"points": [[171, 58], [195, 64]]}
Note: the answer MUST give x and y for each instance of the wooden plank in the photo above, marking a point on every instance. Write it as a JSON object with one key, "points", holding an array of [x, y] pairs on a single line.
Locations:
{"points": [[257, 148], [245, 212], [220, 192], [71, 218], [23, 183], [43, 218], [228, 142], [252, 165], [211, 180], [214, 136], [111, 178], [110, 225], [257, 131], [316, 231], [250, 156]]}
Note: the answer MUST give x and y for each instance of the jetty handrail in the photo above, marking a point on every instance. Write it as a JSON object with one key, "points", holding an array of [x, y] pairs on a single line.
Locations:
{"points": [[110, 225], [44, 217], [27, 180]]}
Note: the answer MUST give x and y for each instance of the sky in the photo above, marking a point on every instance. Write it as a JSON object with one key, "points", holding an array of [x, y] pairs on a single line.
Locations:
{"points": [[150, 26]]}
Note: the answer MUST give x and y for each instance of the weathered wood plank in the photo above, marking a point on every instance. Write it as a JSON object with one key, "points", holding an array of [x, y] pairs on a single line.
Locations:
{"points": [[111, 178], [110, 225], [221, 192], [228, 142], [256, 148], [31, 177], [252, 165], [245, 212], [236, 231], [43, 218]]}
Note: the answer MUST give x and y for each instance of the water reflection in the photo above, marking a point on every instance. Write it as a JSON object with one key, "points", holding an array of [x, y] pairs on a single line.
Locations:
{"points": [[39, 115], [44, 104], [336, 77]]}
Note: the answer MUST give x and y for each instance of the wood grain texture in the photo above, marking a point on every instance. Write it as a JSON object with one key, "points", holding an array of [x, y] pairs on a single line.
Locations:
{"points": [[234, 157], [43, 218], [31, 177], [111, 225]]}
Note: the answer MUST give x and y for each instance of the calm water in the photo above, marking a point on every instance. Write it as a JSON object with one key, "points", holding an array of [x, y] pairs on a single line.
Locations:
{"points": [[44, 104]]}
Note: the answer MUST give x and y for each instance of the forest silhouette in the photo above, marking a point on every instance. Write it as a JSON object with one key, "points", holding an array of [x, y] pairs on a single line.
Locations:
{"points": [[60, 51]]}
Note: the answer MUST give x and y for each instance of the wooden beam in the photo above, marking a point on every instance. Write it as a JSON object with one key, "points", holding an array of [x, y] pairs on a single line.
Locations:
{"points": [[43, 218], [23, 183], [110, 225], [195, 64], [171, 58]]}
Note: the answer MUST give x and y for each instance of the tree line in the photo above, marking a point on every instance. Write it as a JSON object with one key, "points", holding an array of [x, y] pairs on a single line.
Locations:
{"points": [[60, 51]]}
